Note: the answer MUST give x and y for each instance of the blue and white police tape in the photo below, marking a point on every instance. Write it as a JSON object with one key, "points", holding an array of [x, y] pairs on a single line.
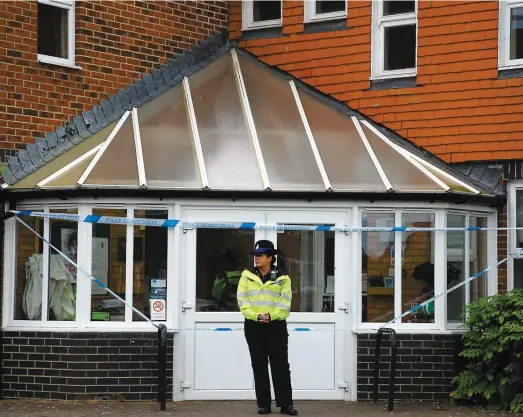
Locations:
{"points": [[93, 279], [473, 277], [170, 223]]}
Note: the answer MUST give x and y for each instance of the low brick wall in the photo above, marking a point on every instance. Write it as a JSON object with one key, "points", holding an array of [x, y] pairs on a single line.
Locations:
{"points": [[425, 365], [70, 366]]}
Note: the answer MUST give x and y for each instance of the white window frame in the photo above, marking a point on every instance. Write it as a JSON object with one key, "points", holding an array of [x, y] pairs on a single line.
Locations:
{"points": [[504, 61], [513, 187], [379, 24], [69, 62], [248, 22], [310, 15]]}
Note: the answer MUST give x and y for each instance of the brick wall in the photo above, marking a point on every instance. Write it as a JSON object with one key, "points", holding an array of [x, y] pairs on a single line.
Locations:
{"points": [[460, 110], [115, 42], [71, 366], [425, 366]]}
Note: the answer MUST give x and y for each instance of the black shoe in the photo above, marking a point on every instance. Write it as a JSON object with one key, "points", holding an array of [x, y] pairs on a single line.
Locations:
{"points": [[290, 411], [264, 410]]}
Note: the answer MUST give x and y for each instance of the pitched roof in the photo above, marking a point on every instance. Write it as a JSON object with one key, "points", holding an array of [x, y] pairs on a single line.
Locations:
{"points": [[83, 136]]}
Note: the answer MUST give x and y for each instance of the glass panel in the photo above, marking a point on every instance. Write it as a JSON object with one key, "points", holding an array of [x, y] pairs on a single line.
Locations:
{"points": [[342, 151], [400, 47], [324, 6], [455, 269], [401, 173], [71, 177], [52, 31], [62, 274], [167, 145], [59, 162], [227, 146], [452, 184], [391, 7], [150, 267], [29, 269], [478, 258], [108, 267], [377, 272], [516, 33], [519, 218], [417, 268], [266, 10], [118, 165], [286, 149], [221, 256], [518, 273], [308, 258]]}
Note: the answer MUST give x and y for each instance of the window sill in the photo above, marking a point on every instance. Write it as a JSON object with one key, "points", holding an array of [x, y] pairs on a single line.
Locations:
{"points": [[510, 72], [393, 83], [262, 33], [45, 59], [330, 25]]}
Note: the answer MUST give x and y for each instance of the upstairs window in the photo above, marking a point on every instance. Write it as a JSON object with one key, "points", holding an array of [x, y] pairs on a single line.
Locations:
{"points": [[394, 39], [261, 14], [320, 10], [56, 32], [510, 34]]}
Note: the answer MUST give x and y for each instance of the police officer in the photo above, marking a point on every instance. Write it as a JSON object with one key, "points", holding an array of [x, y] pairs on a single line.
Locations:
{"points": [[264, 297]]}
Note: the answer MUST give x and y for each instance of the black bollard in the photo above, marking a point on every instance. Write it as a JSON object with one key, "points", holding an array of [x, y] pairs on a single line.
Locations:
{"points": [[162, 365]]}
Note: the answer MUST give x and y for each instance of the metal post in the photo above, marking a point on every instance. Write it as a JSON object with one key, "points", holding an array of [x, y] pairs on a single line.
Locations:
{"points": [[394, 345], [162, 364]]}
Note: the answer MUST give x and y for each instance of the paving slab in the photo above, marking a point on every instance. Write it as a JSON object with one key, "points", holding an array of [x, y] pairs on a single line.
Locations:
{"points": [[43, 408]]}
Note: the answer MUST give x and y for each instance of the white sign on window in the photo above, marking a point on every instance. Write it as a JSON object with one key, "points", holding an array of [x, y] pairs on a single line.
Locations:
{"points": [[100, 264], [157, 309]]}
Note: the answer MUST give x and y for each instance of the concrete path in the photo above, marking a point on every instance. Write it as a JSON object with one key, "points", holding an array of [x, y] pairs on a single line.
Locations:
{"points": [[36, 408]]}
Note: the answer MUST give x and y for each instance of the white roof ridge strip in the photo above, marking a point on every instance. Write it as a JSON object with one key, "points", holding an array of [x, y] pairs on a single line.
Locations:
{"points": [[405, 155], [105, 145], [195, 133], [244, 100], [373, 157], [138, 148], [67, 167], [310, 136]]}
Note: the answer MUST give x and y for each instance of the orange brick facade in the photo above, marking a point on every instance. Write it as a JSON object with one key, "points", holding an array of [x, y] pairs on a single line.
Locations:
{"points": [[115, 42], [459, 111]]}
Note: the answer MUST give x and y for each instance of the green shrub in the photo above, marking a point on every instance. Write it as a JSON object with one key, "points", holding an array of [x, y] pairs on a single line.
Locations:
{"points": [[493, 347]]}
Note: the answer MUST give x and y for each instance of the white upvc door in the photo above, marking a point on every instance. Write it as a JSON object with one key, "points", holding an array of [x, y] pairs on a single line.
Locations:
{"points": [[319, 266], [215, 365]]}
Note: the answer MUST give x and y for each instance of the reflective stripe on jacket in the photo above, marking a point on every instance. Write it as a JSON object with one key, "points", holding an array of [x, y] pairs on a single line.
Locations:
{"points": [[273, 297]]}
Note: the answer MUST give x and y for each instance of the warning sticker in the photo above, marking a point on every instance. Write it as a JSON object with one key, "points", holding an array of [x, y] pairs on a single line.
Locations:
{"points": [[157, 308]]}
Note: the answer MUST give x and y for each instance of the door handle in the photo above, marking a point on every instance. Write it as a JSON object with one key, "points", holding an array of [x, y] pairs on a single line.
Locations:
{"points": [[344, 306], [185, 306]]}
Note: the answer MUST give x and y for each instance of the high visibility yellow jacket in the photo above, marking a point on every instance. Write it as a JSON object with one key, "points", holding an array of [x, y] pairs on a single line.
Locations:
{"points": [[273, 297]]}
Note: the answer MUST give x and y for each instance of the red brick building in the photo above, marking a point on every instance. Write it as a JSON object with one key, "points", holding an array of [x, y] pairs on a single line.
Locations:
{"points": [[356, 113]]}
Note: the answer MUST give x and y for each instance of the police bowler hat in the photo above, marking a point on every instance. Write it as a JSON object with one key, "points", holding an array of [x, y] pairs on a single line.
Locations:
{"points": [[264, 247]]}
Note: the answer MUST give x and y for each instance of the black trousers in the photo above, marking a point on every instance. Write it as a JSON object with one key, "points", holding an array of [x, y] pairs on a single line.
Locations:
{"points": [[270, 342]]}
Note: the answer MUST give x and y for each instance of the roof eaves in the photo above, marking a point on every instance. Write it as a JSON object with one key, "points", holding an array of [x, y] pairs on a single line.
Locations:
{"points": [[143, 89]]}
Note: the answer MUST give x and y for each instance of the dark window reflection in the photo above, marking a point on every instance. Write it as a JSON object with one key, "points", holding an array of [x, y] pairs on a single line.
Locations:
{"points": [[400, 47], [516, 33], [266, 10], [398, 7], [329, 6]]}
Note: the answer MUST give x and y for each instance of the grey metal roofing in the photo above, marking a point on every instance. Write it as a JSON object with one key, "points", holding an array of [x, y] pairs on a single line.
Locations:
{"points": [[149, 86]]}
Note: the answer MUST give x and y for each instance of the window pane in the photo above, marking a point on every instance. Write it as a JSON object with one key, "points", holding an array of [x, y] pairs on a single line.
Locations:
{"points": [[266, 10], [150, 267], [52, 31], [221, 256], [342, 151], [400, 47], [283, 141], [108, 267], [478, 259], [226, 143], [29, 267], [417, 268], [516, 33], [168, 150], [391, 7], [62, 274], [308, 258], [377, 273], [329, 6], [455, 269], [118, 163], [519, 218], [518, 273]]}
